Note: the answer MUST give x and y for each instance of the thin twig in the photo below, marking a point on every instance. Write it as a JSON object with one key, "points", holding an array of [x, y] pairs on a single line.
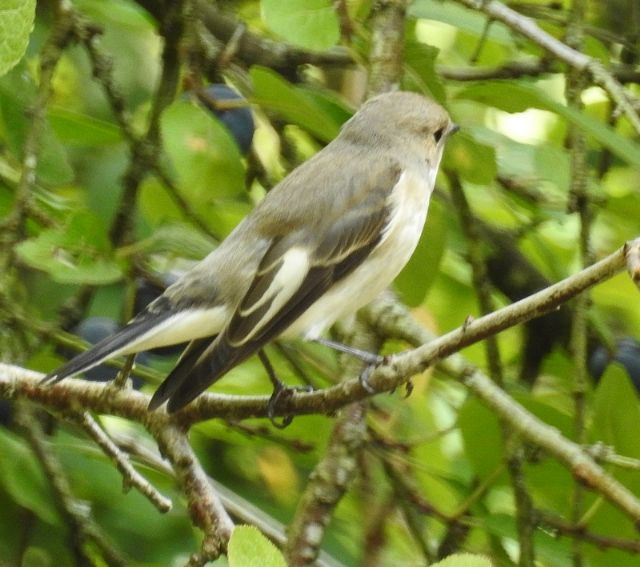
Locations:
{"points": [[130, 476], [146, 152], [103, 71], [205, 507], [14, 225], [578, 532], [334, 472], [519, 69], [513, 453], [76, 513], [580, 61], [237, 506], [16, 383], [578, 203], [326, 485]]}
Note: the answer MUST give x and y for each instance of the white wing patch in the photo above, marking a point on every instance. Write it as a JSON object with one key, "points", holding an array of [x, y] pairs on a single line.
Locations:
{"points": [[285, 283], [182, 327], [409, 201]]}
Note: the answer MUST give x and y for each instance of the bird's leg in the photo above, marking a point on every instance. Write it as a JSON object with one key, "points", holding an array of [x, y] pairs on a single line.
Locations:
{"points": [[279, 389], [120, 381], [372, 360], [363, 355]]}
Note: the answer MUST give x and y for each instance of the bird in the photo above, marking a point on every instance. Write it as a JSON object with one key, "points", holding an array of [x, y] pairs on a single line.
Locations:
{"points": [[324, 242]]}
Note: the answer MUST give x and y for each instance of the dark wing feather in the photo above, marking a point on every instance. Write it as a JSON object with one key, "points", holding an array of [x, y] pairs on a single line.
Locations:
{"points": [[343, 249], [182, 369]]}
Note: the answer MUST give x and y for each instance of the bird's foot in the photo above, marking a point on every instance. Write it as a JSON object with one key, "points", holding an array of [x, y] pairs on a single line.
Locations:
{"points": [[366, 373], [282, 391]]}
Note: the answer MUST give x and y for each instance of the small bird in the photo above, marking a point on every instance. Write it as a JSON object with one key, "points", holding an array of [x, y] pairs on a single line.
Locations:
{"points": [[322, 243]]}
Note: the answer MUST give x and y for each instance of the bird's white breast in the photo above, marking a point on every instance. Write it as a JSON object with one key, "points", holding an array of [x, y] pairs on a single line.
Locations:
{"points": [[409, 202]]}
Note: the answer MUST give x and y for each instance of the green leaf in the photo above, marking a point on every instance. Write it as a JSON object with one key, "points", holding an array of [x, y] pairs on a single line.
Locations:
{"points": [[420, 69], [249, 548], [79, 253], [481, 436], [179, 239], [463, 560], [294, 104], [203, 153], [22, 478], [158, 209], [81, 129], [550, 550], [16, 23], [527, 161], [311, 24], [417, 276], [127, 15], [472, 160], [38, 557], [461, 18], [518, 97], [616, 412], [17, 93]]}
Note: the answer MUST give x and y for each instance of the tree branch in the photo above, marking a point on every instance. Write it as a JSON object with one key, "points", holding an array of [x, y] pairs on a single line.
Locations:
{"points": [[131, 477], [528, 28], [205, 507], [76, 513], [20, 383]]}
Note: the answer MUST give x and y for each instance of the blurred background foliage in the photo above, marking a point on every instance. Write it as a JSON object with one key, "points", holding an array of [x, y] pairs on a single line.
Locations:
{"points": [[66, 266]]}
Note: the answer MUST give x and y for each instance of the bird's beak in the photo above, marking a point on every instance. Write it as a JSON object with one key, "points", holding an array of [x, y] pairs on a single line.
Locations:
{"points": [[453, 128]]}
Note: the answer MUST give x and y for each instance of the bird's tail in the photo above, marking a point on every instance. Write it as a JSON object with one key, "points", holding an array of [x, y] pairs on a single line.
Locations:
{"points": [[122, 342], [203, 363]]}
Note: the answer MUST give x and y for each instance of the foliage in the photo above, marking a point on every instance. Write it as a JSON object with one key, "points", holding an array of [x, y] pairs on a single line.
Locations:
{"points": [[93, 200]]}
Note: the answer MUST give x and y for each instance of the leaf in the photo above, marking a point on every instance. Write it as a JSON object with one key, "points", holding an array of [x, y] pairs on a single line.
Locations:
{"points": [[127, 15], [158, 209], [249, 548], [311, 24], [472, 160], [203, 153], [17, 93], [461, 18], [463, 560], [518, 97], [527, 161], [616, 412], [420, 62], [180, 239], [78, 253], [550, 550], [16, 23], [417, 276], [81, 129], [22, 478], [481, 436], [293, 103]]}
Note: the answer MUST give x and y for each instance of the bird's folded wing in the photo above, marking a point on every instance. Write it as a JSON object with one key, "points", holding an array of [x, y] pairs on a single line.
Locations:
{"points": [[296, 270]]}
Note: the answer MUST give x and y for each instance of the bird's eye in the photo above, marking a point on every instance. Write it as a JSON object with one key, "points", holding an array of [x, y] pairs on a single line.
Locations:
{"points": [[437, 135]]}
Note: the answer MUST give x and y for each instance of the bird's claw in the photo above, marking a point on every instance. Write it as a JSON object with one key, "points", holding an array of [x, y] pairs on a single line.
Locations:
{"points": [[408, 388], [366, 373], [281, 391]]}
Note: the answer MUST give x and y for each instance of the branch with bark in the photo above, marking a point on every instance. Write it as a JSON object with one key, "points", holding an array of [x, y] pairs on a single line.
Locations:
{"points": [[17, 383]]}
